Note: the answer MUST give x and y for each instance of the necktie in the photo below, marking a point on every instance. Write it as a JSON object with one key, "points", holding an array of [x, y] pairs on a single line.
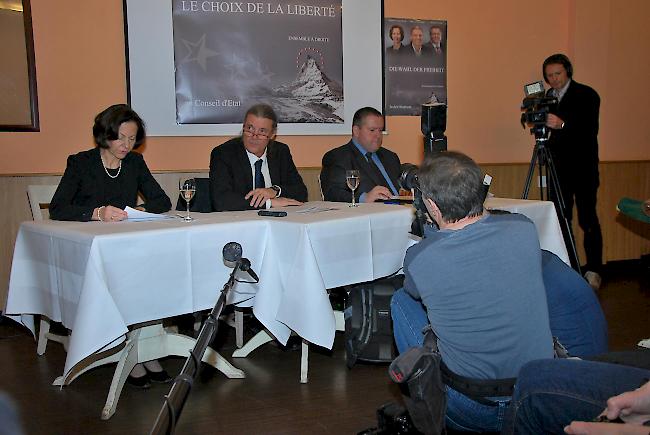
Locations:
{"points": [[259, 178], [375, 169]]}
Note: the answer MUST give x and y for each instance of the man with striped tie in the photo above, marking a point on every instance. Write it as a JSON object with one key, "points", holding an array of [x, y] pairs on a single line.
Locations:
{"points": [[379, 168]]}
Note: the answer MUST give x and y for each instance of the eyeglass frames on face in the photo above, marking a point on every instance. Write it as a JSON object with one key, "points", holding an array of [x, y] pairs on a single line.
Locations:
{"points": [[251, 131]]}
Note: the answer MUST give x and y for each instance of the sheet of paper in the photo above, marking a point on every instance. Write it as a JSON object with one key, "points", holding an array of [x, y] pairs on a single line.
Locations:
{"points": [[137, 215], [315, 209]]}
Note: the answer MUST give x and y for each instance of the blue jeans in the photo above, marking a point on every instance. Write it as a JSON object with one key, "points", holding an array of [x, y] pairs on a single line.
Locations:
{"points": [[575, 315], [552, 393], [463, 413]]}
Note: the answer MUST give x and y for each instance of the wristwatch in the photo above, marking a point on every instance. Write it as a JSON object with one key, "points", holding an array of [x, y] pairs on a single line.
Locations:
{"points": [[277, 189]]}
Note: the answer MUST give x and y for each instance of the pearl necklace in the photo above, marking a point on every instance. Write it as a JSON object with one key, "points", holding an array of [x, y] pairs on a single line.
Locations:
{"points": [[119, 168]]}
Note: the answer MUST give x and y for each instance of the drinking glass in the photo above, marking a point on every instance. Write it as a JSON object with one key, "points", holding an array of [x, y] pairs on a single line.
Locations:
{"points": [[187, 189], [352, 180]]}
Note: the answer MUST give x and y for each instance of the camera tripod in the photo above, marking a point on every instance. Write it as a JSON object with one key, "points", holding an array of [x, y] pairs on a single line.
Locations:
{"points": [[544, 160]]}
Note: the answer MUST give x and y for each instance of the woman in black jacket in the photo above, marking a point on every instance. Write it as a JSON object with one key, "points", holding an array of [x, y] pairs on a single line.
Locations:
{"points": [[99, 183]]}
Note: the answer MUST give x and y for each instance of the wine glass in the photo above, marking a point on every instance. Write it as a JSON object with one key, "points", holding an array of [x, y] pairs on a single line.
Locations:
{"points": [[352, 180], [187, 189]]}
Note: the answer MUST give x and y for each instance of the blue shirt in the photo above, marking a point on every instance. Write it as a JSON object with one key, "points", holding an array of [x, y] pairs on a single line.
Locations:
{"points": [[483, 290], [380, 165]]}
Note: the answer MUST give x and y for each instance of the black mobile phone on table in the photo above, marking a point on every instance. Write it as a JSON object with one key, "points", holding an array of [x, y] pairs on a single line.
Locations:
{"points": [[272, 213]]}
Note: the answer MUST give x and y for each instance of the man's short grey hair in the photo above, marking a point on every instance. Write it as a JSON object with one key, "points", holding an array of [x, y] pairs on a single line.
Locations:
{"points": [[263, 111], [453, 181]]}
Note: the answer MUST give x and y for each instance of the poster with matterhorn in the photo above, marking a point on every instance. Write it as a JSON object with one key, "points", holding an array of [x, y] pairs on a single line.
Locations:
{"points": [[231, 55]]}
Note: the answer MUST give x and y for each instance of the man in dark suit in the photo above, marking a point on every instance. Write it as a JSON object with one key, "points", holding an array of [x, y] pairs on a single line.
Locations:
{"points": [[436, 45], [574, 147], [379, 168], [417, 47], [254, 170]]}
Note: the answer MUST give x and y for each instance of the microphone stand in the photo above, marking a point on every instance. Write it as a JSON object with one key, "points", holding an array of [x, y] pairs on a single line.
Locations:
{"points": [[175, 399]]}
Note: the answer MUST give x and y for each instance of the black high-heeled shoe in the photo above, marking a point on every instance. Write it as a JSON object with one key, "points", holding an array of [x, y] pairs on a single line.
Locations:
{"points": [[161, 377], [139, 382]]}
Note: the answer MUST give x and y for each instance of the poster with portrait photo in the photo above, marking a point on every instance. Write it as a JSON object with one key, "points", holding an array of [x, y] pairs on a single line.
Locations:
{"points": [[415, 64], [231, 55]]}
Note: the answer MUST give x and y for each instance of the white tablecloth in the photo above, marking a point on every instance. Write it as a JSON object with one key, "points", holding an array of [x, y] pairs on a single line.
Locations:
{"points": [[98, 278]]}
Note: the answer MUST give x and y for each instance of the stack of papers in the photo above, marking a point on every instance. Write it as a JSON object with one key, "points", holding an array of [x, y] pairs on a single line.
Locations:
{"points": [[137, 215], [315, 209]]}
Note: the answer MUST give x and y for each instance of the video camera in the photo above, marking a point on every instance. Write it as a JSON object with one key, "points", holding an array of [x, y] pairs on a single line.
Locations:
{"points": [[408, 180], [536, 108]]}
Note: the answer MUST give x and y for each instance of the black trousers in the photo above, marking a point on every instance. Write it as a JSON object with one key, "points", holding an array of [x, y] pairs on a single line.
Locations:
{"points": [[579, 184]]}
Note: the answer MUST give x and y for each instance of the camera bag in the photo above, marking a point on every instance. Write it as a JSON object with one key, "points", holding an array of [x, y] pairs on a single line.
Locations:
{"points": [[368, 325], [419, 375]]}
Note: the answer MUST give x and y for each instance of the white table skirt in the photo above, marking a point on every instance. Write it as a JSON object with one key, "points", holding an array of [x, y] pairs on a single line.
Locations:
{"points": [[98, 278]]}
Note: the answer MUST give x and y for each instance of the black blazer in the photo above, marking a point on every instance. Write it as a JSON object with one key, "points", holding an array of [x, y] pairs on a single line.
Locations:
{"points": [[85, 186], [231, 177], [345, 157], [577, 143]]}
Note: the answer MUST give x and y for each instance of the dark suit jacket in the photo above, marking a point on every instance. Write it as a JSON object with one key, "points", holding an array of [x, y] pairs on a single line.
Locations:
{"points": [[85, 186], [231, 178], [576, 144], [438, 58], [345, 157]]}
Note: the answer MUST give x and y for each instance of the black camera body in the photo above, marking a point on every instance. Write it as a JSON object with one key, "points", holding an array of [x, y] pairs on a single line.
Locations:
{"points": [[536, 108], [408, 180]]}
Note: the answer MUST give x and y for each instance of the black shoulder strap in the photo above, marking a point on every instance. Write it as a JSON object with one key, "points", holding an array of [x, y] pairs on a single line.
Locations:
{"points": [[476, 389]]}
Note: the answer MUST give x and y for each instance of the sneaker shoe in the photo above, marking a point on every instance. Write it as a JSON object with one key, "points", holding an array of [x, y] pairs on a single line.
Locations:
{"points": [[593, 279]]}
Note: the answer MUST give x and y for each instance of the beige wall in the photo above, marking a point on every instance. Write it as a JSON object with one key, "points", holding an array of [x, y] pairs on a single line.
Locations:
{"points": [[494, 48]]}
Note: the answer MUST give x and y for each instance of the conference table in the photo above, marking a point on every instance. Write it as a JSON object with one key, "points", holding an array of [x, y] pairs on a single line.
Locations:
{"points": [[105, 281], [98, 279]]}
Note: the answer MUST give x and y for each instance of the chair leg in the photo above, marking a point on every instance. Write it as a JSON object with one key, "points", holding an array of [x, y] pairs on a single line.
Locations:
{"points": [[304, 361], [239, 328], [63, 339], [43, 332], [44, 335], [198, 317]]}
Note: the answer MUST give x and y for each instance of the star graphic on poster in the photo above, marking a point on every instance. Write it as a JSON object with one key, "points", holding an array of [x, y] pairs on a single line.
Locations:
{"points": [[198, 52], [238, 67]]}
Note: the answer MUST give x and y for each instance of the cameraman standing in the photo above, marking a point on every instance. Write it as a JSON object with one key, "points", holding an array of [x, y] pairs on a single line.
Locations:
{"points": [[574, 147]]}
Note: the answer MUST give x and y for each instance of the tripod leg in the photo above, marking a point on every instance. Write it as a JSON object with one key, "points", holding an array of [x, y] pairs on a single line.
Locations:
{"points": [[531, 170], [543, 172], [553, 180]]}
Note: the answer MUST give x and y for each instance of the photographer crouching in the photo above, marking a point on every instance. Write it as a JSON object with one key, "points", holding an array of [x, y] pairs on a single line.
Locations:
{"points": [[478, 282]]}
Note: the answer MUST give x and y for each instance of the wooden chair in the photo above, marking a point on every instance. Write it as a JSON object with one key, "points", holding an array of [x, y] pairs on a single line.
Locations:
{"points": [[320, 187], [39, 201]]}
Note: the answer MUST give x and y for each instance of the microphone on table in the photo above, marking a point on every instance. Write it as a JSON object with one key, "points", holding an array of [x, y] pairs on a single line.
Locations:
{"points": [[232, 252], [232, 257]]}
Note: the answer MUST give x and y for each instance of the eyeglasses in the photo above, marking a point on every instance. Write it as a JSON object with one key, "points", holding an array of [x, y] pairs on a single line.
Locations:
{"points": [[262, 133]]}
